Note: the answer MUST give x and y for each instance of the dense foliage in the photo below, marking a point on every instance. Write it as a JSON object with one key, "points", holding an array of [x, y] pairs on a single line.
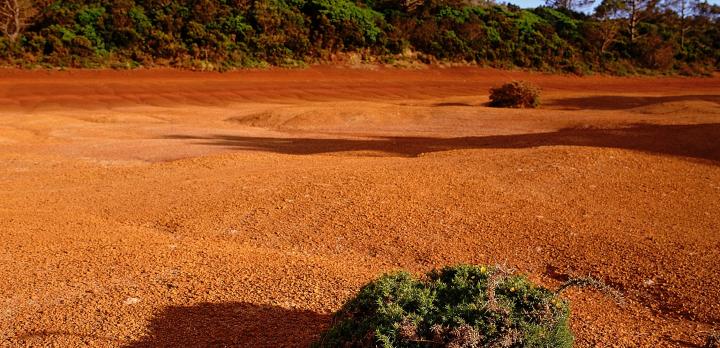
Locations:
{"points": [[463, 306], [221, 34], [516, 94]]}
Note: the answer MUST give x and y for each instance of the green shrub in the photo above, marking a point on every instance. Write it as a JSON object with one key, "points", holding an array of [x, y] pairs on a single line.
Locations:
{"points": [[232, 34], [355, 26], [516, 94], [462, 306]]}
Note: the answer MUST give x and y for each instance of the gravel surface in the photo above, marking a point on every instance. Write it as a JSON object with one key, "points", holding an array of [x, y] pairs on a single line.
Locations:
{"points": [[160, 208]]}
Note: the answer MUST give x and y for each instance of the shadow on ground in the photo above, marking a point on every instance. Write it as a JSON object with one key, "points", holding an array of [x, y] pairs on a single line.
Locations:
{"points": [[232, 325], [697, 141], [451, 104], [617, 102]]}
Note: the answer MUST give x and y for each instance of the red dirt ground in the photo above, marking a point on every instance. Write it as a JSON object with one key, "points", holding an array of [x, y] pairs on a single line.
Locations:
{"points": [[167, 208]]}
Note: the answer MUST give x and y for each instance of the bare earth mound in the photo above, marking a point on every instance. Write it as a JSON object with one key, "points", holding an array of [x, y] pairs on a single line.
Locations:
{"points": [[166, 208]]}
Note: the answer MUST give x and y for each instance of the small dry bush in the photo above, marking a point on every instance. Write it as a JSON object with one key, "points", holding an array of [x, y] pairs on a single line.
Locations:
{"points": [[516, 94]]}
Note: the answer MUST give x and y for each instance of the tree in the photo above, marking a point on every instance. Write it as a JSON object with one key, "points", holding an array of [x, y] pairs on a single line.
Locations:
{"points": [[633, 11], [15, 15], [684, 9], [481, 3], [707, 10], [607, 33], [569, 4]]}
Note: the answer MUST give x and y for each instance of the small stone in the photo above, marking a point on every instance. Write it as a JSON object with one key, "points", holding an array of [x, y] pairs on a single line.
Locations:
{"points": [[131, 301]]}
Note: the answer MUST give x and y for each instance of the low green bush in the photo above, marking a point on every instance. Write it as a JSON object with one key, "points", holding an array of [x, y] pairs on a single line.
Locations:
{"points": [[516, 94], [462, 306]]}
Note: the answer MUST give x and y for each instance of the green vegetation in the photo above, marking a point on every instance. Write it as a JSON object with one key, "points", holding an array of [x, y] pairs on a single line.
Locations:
{"points": [[462, 306], [224, 34], [516, 94]]}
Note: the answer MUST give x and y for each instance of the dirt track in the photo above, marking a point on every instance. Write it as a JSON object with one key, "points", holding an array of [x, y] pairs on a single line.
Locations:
{"points": [[165, 208]]}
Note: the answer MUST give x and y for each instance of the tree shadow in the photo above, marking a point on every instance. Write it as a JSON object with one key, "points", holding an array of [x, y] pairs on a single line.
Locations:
{"points": [[616, 102], [50, 335], [698, 141], [449, 104], [683, 342], [232, 325]]}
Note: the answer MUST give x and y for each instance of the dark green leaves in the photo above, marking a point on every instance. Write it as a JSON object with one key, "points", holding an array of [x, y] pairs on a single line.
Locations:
{"points": [[465, 306]]}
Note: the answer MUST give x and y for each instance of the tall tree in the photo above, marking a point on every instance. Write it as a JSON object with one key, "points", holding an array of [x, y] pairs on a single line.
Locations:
{"points": [[684, 9], [15, 15], [632, 11], [705, 9], [569, 4]]}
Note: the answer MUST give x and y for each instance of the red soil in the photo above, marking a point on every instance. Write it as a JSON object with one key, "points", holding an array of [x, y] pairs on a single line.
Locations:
{"points": [[167, 208]]}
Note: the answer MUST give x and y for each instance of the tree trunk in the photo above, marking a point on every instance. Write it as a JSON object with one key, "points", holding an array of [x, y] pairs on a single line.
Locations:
{"points": [[682, 24], [13, 14], [633, 20], [17, 19]]}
